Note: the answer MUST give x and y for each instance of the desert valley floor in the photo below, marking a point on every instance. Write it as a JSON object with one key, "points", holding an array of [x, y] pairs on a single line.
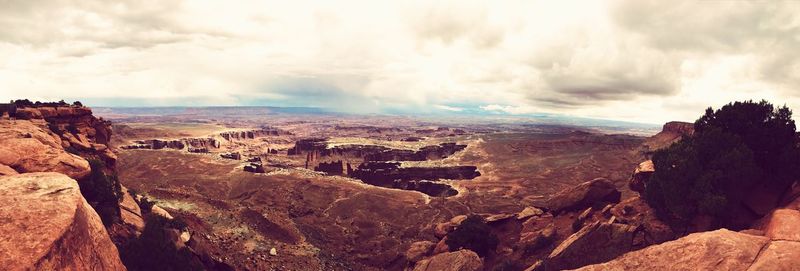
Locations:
{"points": [[246, 183]]}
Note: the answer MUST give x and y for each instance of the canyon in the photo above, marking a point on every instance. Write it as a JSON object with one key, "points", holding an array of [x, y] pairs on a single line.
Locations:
{"points": [[286, 192]]}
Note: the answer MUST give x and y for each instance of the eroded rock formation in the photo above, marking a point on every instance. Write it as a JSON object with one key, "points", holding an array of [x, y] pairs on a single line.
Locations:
{"points": [[28, 146], [595, 243], [584, 195], [252, 134], [714, 250], [196, 145], [462, 260], [49, 226]]}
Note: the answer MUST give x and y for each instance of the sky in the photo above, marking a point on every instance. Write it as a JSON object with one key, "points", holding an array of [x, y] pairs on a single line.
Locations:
{"points": [[640, 61]]}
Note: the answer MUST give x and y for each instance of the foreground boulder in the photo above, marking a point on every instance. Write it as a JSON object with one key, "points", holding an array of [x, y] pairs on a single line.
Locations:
{"points": [[584, 195], [462, 260], [49, 226], [595, 243], [715, 250]]}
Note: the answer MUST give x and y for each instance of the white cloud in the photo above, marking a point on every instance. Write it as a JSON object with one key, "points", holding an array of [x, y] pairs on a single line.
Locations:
{"points": [[649, 61], [448, 108]]}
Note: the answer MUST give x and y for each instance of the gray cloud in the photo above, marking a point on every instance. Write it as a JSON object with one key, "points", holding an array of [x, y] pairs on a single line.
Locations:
{"points": [[616, 59], [767, 31]]}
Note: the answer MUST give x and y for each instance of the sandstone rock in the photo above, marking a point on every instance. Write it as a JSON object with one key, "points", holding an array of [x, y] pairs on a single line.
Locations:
{"points": [[635, 211], [531, 241], [597, 242], [185, 236], [670, 133], [584, 195], [174, 235], [641, 175], [462, 260], [783, 224], [456, 220], [6, 170], [679, 127], [48, 225], [778, 256], [161, 212], [28, 113], [78, 141], [497, 218], [578, 224], [130, 212], [30, 148], [419, 250], [441, 247], [529, 212], [715, 250], [537, 266]]}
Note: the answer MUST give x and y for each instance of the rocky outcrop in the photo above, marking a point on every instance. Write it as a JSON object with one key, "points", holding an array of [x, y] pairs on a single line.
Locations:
{"points": [[130, 213], [231, 155], [584, 195], [193, 144], [462, 260], [715, 250], [777, 249], [434, 152], [31, 147], [254, 168], [6, 170], [679, 127], [331, 168], [319, 148], [635, 212], [392, 175], [640, 176], [77, 130], [670, 133], [595, 243], [252, 134], [419, 250], [49, 226]]}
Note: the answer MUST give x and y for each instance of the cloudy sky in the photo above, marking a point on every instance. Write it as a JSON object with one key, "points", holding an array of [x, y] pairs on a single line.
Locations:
{"points": [[645, 61]]}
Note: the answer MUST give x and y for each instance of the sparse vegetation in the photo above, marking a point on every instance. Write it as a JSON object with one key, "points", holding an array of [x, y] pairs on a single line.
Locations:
{"points": [[473, 234], [155, 249], [734, 149], [103, 191]]}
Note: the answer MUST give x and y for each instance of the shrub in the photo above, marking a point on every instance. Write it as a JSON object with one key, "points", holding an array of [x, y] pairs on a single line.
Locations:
{"points": [[154, 249], [472, 234], [734, 149], [146, 205], [103, 191]]}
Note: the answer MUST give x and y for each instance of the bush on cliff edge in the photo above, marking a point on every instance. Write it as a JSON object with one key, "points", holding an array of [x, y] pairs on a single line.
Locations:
{"points": [[103, 191], [472, 234], [734, 149]]}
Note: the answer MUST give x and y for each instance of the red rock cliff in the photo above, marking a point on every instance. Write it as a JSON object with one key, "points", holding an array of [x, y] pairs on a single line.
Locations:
{"points": [[49, 226]]}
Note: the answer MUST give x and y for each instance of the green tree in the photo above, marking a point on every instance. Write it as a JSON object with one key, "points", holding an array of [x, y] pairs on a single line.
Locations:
{"points": [[734, 149]]}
